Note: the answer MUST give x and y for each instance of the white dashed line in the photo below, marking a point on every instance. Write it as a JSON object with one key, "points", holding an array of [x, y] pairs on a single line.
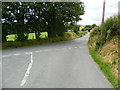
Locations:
{"points": [[75, 47], [28, 71], [69, 48], [28, 53], [16, 54], [37, 51], [6, 56]]}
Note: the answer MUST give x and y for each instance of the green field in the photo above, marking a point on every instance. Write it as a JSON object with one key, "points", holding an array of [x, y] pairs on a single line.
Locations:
{"points": [[44, 35], [31, 36], [11, 37], [82, 26]]}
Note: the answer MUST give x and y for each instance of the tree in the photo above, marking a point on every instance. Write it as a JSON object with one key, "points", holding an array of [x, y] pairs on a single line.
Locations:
{"points": [[6, 19], [11, 13], [87, 28], [58, 14], [76, 29], [24, 17], [93, 25]]}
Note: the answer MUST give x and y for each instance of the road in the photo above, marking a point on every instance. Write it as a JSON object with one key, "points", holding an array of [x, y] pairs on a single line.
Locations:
{"points": [[60, 65]]}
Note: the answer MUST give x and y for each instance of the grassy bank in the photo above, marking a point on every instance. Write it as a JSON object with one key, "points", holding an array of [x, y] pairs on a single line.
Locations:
{"points": [[103, 47], [105, 67], [67, 36], [106, 57]]}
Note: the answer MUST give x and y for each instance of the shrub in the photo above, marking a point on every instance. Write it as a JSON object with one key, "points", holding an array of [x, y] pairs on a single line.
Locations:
{"points": [[96, 31], [76, 29], [93, 25], [106, 31], [109, 32], [100, 42], [87, 28], [70, 34], [110, 24]]}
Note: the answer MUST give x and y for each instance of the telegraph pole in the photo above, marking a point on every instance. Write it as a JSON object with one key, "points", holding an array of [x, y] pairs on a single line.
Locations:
{"points": [[103, 11]]}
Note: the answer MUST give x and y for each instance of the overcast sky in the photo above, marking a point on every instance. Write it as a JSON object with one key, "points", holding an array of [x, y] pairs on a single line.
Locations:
{"points": [[93, 11]]}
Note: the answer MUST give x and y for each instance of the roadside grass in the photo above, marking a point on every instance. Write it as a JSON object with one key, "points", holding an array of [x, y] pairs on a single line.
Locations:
{"points": [[82, 33], [107, 58], [103, 46], [105, 67], [43, 40]]}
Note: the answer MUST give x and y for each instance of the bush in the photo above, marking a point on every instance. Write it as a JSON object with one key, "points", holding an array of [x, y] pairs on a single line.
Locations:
{"points": [[109, 32], [89, 27], [106, 31], [110, 24], [76, 29], [70, 34], [93, 25], [100, 42], [96, 31], [82, 33]]}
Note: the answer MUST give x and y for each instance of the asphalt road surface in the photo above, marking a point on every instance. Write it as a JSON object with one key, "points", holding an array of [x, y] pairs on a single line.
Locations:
{"points": [[60, 65]]}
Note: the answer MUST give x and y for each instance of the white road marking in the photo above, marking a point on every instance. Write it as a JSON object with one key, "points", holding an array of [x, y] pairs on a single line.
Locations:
{"points": [[69, 48], [28, 53], [37, 51], [28, 71], [16, 54], [6, 56], [75, 47]]}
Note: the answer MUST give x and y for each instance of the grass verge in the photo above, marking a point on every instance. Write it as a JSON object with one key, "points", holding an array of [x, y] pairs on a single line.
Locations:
{"points": [[105, 67]]}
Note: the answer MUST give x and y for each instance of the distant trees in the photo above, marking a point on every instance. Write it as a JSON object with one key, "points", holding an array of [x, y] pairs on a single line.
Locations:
{"points": [[22, 18], [89, 27]]}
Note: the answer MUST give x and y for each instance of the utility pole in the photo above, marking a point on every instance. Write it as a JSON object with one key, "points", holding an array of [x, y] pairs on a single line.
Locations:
{"points": [[103, 11]]}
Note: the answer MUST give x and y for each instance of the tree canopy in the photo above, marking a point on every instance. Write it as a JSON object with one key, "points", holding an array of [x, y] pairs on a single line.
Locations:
{"points": [[23, 17]]}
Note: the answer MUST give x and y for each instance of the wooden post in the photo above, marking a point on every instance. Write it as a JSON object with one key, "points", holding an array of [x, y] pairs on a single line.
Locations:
{"points": [[103, 11], [103, 15]]}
